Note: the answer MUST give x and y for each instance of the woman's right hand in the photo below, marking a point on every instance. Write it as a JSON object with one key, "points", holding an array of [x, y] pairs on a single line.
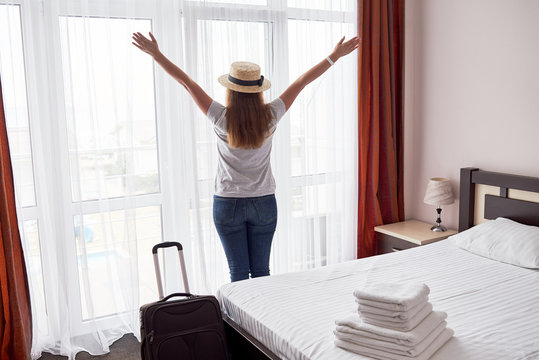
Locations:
{"points": [[148, 46]]}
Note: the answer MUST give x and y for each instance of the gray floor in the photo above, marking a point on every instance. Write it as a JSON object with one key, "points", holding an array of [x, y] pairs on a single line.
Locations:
{"points": [[127, 348]]}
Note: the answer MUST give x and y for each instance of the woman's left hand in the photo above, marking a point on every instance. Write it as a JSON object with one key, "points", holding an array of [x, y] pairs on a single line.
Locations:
{"points": [[148, 46], [344, 48]]}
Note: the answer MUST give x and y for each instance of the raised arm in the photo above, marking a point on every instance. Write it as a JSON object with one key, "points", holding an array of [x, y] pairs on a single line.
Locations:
{"points": [[341, 49], [151, 47]]}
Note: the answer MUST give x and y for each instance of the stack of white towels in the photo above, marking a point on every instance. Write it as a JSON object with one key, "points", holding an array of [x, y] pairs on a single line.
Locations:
{"points": [[395, 322]]}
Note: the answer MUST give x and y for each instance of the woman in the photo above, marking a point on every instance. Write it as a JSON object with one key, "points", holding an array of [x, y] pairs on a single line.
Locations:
{"points": [[244, 207]]}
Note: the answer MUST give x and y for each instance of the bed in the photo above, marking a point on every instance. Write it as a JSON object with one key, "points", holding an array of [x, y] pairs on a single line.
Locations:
{"points": [[491, 306]]}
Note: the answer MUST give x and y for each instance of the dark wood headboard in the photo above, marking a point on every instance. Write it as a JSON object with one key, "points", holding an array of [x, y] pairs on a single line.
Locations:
{"points": [[525, 212]]}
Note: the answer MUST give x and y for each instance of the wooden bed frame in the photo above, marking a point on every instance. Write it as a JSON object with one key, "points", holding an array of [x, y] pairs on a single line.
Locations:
{"points": [[518, 209], [243, 345]]}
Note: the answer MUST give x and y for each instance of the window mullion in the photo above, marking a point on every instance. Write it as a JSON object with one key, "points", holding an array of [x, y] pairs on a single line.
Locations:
{"points": [[29, 213], [229, 13], [282, 146], [108, 9], [321, 15], [116, 204], [173, 142]]}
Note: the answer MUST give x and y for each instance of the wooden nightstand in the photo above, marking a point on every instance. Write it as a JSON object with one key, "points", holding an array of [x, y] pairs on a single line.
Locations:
{"points": [[406, 234]]}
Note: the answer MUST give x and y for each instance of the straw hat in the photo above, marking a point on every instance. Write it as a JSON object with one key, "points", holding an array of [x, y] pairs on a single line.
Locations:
{"points": [[244, 77]]}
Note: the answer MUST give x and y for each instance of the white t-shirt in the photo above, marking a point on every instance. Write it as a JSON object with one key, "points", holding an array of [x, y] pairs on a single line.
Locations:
{"points": [[243, 172]]}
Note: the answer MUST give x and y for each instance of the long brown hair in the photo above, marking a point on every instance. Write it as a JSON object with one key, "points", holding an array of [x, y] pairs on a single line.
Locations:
{"points": [[248, 119]]}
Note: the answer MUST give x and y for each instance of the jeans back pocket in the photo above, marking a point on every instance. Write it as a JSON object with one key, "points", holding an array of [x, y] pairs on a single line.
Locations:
{"points": [[223, 210], [266, 207]]}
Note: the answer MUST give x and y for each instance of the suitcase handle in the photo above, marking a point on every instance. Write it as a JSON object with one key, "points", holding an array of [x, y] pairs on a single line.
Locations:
{"points": [[174, 295], [166, 244]]}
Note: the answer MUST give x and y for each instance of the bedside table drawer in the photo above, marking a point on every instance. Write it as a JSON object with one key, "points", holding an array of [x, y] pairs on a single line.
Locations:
{"points": [[406, 234], [387, 244]]}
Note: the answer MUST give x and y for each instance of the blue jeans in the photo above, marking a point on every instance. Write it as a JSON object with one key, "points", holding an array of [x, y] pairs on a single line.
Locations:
{"points": [[246, 227]]}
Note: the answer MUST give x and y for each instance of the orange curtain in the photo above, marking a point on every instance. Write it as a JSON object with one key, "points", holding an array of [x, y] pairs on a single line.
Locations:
{"points": [[15, 314], [380, 98]]}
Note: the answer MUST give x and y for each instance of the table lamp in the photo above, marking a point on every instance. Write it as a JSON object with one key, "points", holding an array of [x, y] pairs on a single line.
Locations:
{"points": [[438, 193]]}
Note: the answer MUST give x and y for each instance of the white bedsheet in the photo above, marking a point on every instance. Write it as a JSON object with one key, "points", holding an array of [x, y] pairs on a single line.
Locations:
{"points": [[492, 307]]}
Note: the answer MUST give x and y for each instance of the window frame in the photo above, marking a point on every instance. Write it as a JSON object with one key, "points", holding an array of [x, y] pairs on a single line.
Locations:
{"points": [[114, 10]]}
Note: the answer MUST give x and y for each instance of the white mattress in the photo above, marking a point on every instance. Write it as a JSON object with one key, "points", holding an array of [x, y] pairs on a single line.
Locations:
{"points": [[492, 307]]}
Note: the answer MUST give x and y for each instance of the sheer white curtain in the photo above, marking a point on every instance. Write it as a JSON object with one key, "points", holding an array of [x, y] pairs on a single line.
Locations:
{"points": [[111, 156], [314, 152]]}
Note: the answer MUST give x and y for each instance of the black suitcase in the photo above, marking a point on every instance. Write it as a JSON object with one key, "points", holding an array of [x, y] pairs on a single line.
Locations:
{"points": [[190, 328]]}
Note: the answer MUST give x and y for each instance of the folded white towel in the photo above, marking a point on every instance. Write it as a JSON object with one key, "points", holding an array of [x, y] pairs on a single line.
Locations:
{"points": [[354, 325], [389, 346], [390, 306], [384, 355], [403, 315], [393, 296], [402, 325]]}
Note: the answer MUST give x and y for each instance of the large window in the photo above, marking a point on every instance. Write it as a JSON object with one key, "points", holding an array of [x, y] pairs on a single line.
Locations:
{"points": [[112, 138], [112, 146], [285, 41], [111, 156]]}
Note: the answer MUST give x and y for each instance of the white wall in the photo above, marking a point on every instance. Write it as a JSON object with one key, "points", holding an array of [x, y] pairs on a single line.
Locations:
{"points": [[471, 93]]}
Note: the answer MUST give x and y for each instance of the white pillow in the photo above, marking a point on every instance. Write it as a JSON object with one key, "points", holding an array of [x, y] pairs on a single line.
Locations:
{"points": [[503, 240]]}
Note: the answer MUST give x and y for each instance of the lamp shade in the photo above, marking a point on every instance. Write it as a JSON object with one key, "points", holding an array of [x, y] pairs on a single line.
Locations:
{"points": [[438, 192]]}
